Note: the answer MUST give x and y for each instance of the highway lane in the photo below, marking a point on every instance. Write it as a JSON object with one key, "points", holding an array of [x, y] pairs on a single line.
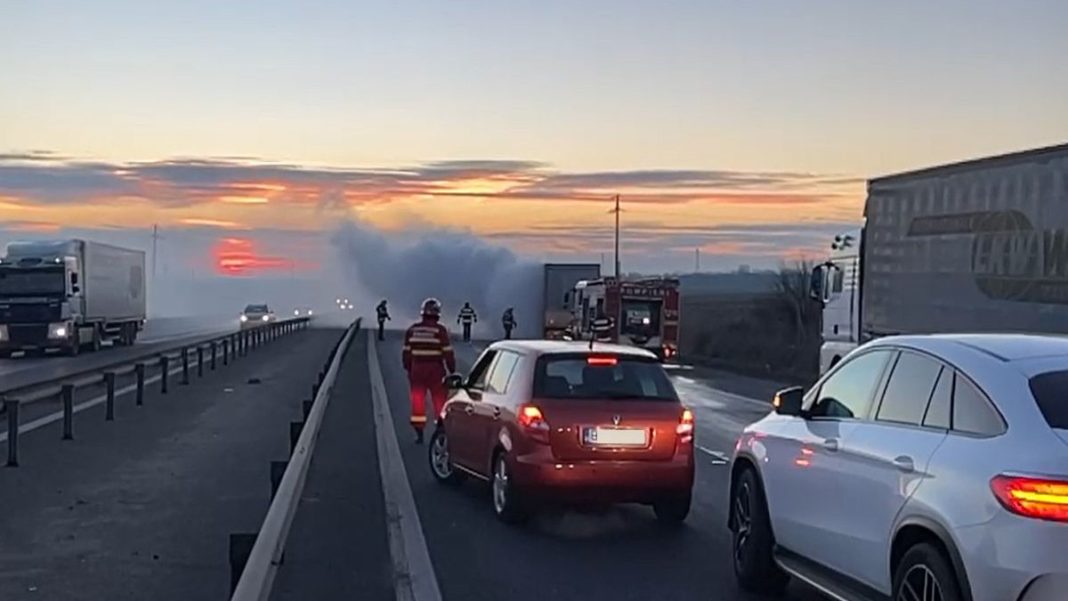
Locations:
{"points": [[156, 332], [620, 553], [142, 507]]}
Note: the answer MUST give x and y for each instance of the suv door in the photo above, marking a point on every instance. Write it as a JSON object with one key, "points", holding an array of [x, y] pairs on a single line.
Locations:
{"points": [[802, 468], [460, 412], [883, 461]]}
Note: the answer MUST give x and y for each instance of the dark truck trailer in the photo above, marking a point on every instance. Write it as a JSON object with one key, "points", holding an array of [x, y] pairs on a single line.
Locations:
{"points": [[978, 246], [70, 295], [558, 286]]}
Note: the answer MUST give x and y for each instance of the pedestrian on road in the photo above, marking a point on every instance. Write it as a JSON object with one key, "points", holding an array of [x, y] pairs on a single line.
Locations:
{"points": [[383, 317], [428, 357], [508, 321], [466, 318]]}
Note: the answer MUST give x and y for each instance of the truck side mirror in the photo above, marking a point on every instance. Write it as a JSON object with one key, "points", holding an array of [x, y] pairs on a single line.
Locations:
{"points": [[815, 285], [74, 283]]}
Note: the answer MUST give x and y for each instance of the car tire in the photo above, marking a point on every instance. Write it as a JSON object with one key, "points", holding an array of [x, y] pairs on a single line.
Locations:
{"points": [[925, 565], [752, 542], [441, 466], [507, 504], [673, 511]]}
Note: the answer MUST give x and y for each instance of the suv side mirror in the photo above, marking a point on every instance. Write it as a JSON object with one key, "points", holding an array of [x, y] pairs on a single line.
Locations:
{"points": [[454, 381], [788, 400]]}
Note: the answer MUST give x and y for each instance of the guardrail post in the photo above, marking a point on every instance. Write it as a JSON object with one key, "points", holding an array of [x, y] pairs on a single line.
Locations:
{"points": [[214, 348], [200, 361], [226, 351], [68, 411], [140, 371], [278, 469], [294, 435], [109, 406], [185, 366], [165, 368], [12, 408], [240, 548]]}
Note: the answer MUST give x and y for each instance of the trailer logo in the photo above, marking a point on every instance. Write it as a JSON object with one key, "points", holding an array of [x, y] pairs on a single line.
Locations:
{"points": [[1010, 259]]}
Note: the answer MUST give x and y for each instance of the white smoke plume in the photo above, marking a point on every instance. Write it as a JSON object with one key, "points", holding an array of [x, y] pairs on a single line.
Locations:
{"points": [[407, 267]]}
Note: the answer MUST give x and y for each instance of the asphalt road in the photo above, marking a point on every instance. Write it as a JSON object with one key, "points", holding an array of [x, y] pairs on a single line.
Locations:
{"points": [[142, 507], [157, 332], [621, 553]]}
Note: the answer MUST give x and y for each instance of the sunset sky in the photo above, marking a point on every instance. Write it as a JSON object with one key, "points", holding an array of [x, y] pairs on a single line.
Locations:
{"points": [[746, 129]]}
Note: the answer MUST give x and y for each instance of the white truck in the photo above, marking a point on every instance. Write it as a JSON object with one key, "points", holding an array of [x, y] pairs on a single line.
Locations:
{"points": [[70, 295], [978, 246]]}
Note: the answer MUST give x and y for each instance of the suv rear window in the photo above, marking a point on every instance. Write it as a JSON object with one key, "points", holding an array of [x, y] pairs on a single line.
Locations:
{"points": [[600, 376], [1051, 393]]}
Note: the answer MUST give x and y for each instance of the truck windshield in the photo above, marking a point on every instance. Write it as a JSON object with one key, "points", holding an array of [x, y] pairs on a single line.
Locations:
{"points": [[600, 377], [32, 282], [640, 318]]}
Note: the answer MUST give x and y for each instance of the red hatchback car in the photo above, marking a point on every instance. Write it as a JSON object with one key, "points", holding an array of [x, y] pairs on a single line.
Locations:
{"points": [[556, 422]]}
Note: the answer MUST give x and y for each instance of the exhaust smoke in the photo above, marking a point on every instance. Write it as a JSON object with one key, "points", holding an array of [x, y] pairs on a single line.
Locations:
{"points": [[455, 267]]}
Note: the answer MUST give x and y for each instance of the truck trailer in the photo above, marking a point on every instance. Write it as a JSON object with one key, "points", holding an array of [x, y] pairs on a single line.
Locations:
{"points": [[978, 246], [70, 295], [559, 282]]}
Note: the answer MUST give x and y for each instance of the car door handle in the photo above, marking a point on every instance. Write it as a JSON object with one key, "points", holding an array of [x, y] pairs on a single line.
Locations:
{"points": [[831, 444], [469, 409], [904, 463]]}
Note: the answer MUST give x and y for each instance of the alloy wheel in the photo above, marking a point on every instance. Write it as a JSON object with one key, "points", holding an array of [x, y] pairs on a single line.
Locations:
{"points": [[439, 457], [743, 521], [500, 486], [920, 584]]}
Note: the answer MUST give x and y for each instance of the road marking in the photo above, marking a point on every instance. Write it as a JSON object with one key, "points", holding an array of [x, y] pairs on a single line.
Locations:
{"points": [[414, 578], [718, 458]]}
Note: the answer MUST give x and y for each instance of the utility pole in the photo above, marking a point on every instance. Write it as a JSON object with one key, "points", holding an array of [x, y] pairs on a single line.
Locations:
{"points": [[697, 260], [617, 211]]}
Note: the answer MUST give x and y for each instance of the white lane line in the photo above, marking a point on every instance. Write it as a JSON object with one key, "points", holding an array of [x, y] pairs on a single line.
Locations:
{"points": [[414, 578], [718, 458], [93, 402]]}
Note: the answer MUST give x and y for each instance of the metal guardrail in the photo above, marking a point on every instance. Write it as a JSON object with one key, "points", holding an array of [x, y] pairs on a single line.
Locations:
{"points": [[208, 351], [258, 569]]}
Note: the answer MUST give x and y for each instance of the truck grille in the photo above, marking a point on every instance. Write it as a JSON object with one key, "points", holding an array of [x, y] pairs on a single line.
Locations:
{"points": [[28, 334], [29, 313]]}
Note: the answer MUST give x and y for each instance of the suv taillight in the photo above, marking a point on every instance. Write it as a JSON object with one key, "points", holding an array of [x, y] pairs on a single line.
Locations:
{"points": [[533, 423], [1039, 498], [685, 427]]}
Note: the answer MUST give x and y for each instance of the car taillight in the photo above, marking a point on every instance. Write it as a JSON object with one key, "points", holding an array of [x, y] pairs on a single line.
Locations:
{"points": [[1039, 498], [533, 423], [685, 427]]}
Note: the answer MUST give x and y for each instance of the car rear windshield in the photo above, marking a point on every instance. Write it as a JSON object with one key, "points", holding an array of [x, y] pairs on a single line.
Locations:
{"points": [[256, 309], [594, 376], [1051, 393]]}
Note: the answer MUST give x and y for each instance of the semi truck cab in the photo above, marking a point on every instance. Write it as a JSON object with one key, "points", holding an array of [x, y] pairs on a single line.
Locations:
{"points": [[836, 284]]}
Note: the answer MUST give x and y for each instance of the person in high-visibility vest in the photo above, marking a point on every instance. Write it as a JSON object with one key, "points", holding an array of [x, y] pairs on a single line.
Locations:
{"points": [[466, 318], [508, 321], [383, 317], [428, 357]]}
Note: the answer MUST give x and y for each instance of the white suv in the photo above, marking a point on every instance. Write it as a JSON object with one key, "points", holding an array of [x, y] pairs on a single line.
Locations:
{"points": [[921, 468]]}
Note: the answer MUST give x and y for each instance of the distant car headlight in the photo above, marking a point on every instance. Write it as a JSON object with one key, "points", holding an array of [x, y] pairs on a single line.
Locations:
{"points": [[645, 321], [57, 330], [309, 311], [244, 318], [266, 318], [296, 311]]}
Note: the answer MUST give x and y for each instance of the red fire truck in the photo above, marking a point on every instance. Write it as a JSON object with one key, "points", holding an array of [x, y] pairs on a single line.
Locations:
{"points": [[645, 313]]}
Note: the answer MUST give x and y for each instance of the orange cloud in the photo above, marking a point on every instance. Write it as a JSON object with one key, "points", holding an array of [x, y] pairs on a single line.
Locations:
{"points": [[240, 256], [219, 223]]}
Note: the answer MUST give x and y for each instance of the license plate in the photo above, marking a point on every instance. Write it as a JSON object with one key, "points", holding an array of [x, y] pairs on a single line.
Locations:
{"points": [[617, 437]]}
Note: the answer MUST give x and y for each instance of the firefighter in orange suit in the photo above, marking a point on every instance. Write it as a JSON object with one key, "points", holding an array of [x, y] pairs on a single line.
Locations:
{"points": [[428, 358]]}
